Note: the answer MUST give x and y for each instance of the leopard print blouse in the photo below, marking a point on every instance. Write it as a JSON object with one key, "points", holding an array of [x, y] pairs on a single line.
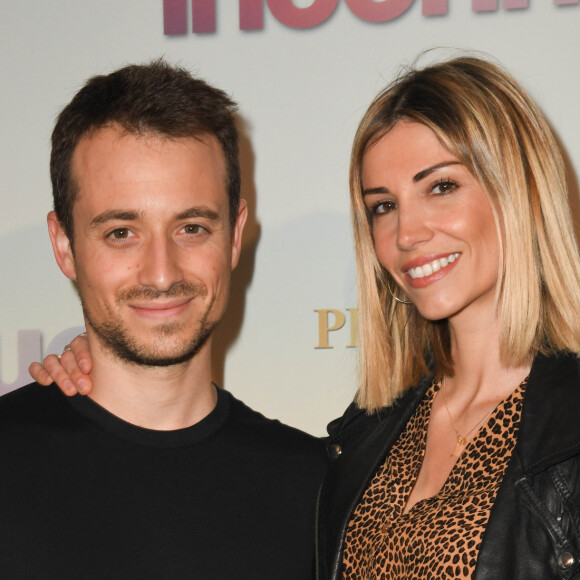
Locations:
{"points": [[440, 536]]}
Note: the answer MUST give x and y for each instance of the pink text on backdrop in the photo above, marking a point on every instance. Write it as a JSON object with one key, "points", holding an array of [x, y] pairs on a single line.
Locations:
{"points": [[251, 12]]}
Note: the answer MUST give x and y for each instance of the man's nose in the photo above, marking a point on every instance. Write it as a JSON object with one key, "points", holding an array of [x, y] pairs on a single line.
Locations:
{"points": [[160, 267]]}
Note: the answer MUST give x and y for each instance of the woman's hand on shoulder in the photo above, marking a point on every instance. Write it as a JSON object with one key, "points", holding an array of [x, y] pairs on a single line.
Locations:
{"points": [[70, 371]]}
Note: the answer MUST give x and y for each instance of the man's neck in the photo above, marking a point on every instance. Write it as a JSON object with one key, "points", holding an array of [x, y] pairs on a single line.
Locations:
{"points": [[161, 398]]}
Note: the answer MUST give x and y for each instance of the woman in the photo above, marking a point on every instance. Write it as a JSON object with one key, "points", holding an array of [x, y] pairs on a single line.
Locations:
{"points": [[459, 457]]}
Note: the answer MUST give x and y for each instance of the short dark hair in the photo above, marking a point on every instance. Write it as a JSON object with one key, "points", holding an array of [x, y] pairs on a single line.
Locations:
{"points": [[157, 99]]}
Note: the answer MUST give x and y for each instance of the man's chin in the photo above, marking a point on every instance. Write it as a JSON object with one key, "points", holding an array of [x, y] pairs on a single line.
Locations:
{"points": [[158, 355], [151, 362], [165, 345]]}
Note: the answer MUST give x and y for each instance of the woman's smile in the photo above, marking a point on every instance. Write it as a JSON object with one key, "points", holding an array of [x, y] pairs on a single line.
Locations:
{"points": [[433, 226]]}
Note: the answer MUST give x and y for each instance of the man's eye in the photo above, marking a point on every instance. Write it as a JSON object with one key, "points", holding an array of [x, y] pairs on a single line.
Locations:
{"points": [[120, 234], [193, 229]]}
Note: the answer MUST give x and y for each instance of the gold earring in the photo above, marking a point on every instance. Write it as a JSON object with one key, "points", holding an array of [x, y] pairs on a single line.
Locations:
{"points": [[397, 298]]}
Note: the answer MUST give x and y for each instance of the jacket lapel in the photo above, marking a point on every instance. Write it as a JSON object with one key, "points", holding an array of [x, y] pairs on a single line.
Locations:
{"points": [[549, 433], [363, 447], [550, 427]]}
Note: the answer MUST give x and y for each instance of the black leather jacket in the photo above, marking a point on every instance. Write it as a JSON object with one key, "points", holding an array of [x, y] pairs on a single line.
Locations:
{"points": [[534, 528]]}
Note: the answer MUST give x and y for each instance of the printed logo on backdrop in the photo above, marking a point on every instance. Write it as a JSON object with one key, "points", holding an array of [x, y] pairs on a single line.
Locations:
{"points": [[337, 328], [203, 12]]}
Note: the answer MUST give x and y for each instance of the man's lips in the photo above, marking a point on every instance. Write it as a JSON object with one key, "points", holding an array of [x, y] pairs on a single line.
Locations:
{"points": [[163, 309], [425, 270]]}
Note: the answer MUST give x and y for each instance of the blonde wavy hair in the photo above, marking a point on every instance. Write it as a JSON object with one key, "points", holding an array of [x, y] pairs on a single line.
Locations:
{"points": [[482, 116]]}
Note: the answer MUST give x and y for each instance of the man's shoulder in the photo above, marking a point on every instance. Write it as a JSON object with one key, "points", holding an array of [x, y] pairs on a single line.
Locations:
{"points": [[27, 394], [32, 403], [251, 419], [260, 432]]}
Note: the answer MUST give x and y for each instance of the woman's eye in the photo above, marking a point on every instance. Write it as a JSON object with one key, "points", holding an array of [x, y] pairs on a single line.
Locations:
{"points": [[383, 207], [444, 186]]}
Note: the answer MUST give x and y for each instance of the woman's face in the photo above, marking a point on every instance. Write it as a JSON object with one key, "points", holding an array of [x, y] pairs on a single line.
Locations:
{"points": [[432, 223]]}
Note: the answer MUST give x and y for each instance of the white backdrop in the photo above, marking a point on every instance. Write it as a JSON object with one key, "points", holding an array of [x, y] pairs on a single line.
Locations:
{"points": [[301, 93]]}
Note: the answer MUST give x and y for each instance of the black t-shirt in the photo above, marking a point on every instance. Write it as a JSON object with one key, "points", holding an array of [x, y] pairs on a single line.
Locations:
{"points": [[85, 495]]}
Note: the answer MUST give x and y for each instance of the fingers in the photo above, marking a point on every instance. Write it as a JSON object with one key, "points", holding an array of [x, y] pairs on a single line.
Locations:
{"points": [[39, 374], [80, 348], [69, 371], [62, 371], [71, 365]]}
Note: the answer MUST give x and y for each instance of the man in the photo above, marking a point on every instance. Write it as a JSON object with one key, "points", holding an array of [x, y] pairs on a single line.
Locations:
{"points": [[157, 474]]}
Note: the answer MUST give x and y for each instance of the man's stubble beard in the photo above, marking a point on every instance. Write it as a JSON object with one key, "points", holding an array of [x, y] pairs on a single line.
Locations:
{"points": [[114, 335]]}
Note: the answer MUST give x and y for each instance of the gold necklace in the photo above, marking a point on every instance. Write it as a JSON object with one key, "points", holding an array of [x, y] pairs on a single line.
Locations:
{"points": [[461, 439]]}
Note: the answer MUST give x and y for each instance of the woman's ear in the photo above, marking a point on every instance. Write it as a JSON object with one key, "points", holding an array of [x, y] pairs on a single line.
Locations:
{"points": [[61, 246]]}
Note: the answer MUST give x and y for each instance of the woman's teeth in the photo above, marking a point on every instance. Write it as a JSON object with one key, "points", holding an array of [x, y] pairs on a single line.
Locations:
{"points": [[434, 266]]}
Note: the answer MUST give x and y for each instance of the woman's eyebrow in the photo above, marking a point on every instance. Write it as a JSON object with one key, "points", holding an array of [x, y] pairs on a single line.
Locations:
{"points": [[375, 190], [425, 172]]}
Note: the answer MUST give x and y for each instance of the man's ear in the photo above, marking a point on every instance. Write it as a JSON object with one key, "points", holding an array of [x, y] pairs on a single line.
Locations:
{"points": [[61, 246], [239, 224]]}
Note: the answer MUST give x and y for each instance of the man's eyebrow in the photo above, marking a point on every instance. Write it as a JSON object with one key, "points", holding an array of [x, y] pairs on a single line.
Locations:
{"points": [[426, 172], [200, 212], [114, 215], [128, 216]]}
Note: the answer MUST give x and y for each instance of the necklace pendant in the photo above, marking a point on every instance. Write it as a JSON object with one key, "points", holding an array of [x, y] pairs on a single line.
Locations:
{"points": [[459, 446]]}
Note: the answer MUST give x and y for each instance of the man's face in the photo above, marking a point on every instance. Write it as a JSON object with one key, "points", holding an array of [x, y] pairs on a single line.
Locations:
{"points": [[153, 245]]}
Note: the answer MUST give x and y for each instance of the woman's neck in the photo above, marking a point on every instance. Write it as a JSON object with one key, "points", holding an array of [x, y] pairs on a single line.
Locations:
{"points": [[478, 369]]}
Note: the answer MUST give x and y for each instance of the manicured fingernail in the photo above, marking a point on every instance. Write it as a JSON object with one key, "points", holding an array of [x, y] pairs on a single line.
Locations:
{"points": [[84, 364], [83, 385]]}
